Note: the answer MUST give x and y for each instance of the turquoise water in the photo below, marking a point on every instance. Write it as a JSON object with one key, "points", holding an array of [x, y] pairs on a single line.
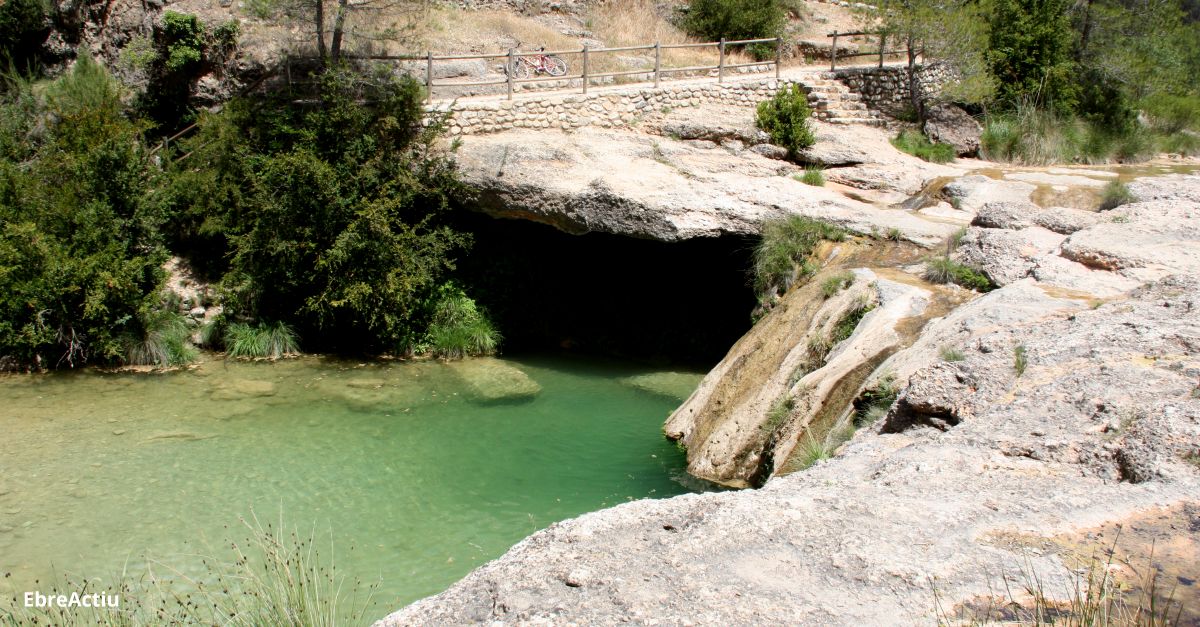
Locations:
{"points": [[417, 470]]}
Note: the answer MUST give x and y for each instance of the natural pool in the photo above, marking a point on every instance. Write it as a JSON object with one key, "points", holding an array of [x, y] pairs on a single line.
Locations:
{"points": [[417, 474]]}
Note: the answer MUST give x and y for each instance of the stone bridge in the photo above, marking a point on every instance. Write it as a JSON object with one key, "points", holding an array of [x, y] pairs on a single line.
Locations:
{"points": [[852, 95]]}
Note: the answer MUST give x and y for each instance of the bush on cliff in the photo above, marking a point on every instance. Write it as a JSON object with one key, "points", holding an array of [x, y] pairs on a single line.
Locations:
{"points": [[330, 217], [785, 117], [80, 253]]}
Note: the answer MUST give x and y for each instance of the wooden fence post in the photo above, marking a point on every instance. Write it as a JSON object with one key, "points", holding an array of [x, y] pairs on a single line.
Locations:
{"points": [[657, 62], [429, 75], [585, 68], [778, 55], [512, 69], [721, 62], [833, 53], [882, 46]]}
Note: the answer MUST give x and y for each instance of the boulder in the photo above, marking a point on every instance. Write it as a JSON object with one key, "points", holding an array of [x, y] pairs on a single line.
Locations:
{"points": [[495, 380], [1006, 256], [1006, 215], [948, 124], [971, 193]]}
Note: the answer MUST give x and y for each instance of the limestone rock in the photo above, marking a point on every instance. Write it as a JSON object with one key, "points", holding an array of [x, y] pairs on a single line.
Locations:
{"points": [[1006, 215], [495, 380], [971, 193], [949, 124], [1003, 255]]}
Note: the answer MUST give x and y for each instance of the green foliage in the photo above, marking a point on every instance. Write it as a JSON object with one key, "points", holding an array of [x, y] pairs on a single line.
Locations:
{"points": [[918, 145], [260, 341], [80, 256], [811, 450], [780, 409], [893, 235], [785, 246], [459, 329], [875, 401], [1029, 52], [138, 54], [813, 175], [710, 20], [1020, 359], [184, 36], [23, 27], [849, 322], [946, 270], [837, 283], [785, 117], [166, 342], [327, 217], [1038, 137], [949, 353], [1172, 114], [1114, 195], [226, 34]]}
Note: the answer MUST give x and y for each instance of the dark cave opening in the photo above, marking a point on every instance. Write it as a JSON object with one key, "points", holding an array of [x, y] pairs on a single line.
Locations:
{"points": [[682, 303]]}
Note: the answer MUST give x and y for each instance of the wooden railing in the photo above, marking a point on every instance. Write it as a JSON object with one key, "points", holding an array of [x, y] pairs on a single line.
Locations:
{"points": [[587, 54], [881, 52]]}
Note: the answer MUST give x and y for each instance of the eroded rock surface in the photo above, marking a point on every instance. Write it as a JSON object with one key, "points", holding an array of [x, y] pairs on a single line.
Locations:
{"points": [[1097, 427]]}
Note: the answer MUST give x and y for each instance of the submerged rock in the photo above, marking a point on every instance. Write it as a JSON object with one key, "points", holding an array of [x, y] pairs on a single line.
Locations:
{"points": [[677, 385], [492, 379], [243, 388]]}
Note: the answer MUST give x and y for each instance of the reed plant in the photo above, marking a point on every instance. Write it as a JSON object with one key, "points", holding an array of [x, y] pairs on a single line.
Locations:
{"points": [[266, 340]]}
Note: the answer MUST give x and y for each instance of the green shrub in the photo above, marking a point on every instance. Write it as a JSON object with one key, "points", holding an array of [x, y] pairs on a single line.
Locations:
{"points": [[785, 117], [893, 235], [1035, 137], [138, 54], [1172, 114], [711, 20], [785, 246], [1114, 195], [184, 37], [918, 145], [23, 27], [837, 283], [459, 329], [226, 34], [814, 176], [946, 270], [260, 341], [166, 342], [80, 256]]}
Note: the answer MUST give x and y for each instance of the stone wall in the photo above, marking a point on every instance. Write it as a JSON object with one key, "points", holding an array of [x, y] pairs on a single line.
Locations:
{"points": [[607, 110], [886, 88]]}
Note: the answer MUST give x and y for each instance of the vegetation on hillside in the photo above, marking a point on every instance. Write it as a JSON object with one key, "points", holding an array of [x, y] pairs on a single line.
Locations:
{"points": [[319, 220], [711, 20], [782, 255]]}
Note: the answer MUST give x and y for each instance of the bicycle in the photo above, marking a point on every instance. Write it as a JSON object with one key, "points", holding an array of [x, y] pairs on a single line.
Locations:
{"points": [[526, 66]]}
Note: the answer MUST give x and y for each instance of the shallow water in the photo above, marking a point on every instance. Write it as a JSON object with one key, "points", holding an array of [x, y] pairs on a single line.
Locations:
{"points": [[417, 475]]}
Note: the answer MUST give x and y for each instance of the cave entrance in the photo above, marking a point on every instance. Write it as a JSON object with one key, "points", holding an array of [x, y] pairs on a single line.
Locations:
{"points": [[682, 303]]}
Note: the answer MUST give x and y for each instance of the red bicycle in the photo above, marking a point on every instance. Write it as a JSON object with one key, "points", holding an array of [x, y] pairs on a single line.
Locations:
{"points": [[526, 66]]}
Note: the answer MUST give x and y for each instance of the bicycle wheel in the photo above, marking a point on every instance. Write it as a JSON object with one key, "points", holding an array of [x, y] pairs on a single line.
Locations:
{"points": [[520, 68], [555, 66]]}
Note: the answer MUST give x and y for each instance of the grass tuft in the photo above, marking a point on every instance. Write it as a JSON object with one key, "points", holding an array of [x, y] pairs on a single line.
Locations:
{"points": [[918, 145], [1020, 359], [836, 283], [814, 176], [946, 270], [949, 353], [786, 244], [812, 450], [261, 341], [1115, 194], [778, 413], [166, 342], [849, 322], [459, 328], [874, 403]]}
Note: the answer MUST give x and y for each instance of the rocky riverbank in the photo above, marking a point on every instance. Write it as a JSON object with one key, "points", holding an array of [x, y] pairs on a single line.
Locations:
{"points": [[1023, 424]]}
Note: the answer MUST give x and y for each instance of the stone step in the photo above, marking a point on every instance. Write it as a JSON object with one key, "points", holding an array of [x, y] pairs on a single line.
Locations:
{"points": [[864, 121]]}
